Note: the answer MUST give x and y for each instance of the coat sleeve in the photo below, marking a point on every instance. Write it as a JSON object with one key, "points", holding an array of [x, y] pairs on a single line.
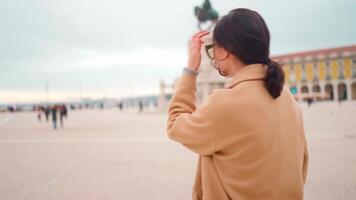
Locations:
{"points": [[195, 128]]}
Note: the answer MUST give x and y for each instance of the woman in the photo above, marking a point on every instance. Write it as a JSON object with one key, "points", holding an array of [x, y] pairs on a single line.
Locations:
{"points": [[249, 135]]}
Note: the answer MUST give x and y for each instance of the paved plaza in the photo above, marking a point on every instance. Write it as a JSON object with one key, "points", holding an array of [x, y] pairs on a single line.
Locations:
{"points": [[102, 155]]}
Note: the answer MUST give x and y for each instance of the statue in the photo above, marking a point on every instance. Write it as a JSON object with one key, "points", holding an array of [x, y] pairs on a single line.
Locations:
{"points": [[206, 13]]}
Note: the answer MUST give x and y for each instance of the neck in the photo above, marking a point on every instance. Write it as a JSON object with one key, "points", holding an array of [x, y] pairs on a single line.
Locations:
{"points": [[235, 66]]}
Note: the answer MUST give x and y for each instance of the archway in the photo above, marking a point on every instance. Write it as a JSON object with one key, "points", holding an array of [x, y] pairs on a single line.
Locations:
{"points": [[304, 89], [329, 91], [353, 90], [316, 92], [305, 92], [342, 91], [316, 89]]}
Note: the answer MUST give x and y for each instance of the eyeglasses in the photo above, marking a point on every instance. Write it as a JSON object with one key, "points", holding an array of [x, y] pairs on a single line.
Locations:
{"points": [[210, 50]]}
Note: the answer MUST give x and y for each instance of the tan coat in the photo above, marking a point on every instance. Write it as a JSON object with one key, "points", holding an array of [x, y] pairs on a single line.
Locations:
{"points": [[250, 146]]}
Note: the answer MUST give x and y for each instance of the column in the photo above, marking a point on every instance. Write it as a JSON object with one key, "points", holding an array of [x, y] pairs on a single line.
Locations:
{"points": [[299, 92], [349, 90], [322, 88], [335, 91]]}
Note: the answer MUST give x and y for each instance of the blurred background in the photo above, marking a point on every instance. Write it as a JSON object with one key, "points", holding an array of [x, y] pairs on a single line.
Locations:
{"points": [[85, 85]]}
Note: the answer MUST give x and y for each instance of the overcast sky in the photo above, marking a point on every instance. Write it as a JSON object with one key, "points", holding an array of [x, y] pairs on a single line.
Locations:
{"points": [[118, 48]]}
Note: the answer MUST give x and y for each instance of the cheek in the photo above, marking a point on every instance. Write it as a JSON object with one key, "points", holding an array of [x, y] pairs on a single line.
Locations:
{"points": [[222, 65]]}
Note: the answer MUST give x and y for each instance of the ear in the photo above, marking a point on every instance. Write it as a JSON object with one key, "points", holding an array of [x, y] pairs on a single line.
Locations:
{"points": [[222, 54]]}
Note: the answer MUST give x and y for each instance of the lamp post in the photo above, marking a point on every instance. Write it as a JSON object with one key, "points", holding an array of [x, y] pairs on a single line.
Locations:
{"points": [[47, 92]]}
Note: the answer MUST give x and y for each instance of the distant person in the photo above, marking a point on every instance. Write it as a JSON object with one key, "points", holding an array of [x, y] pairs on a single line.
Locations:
{"points": [[62, 114], [10, 109], [309, 101], [47, 112], [249, 135], [54, 117], [140, 105], [120, 106], [39, 113], [65, 111]]}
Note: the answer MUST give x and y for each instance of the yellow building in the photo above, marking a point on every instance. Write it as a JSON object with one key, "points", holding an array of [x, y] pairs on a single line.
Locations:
{"points": [[326, 74]]}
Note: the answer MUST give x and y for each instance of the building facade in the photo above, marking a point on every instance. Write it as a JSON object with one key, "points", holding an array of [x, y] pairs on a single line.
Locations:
{"points": [[322, 75], [327, 74]]}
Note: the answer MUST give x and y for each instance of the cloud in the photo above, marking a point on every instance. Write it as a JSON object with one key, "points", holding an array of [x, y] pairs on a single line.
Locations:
{"points": [[149, 57]]}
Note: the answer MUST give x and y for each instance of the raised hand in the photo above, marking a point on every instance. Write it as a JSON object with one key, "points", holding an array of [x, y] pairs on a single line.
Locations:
{"points": [[194, 50]]}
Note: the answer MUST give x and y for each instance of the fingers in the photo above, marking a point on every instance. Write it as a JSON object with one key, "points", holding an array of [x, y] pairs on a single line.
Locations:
{"points": [[200, 34], [196, 41], [197, 38], [196, 34]]}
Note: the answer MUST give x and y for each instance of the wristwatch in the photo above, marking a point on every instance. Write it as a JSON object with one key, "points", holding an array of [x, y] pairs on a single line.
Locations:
{"points": [[190, 72]]}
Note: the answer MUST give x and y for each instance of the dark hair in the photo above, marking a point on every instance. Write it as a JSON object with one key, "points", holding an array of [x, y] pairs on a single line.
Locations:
{"points": [[244, 33]]}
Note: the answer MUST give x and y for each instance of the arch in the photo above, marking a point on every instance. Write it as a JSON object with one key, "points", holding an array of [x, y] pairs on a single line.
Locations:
{"points": [[342, 91], [316, 89], [329, 91], [316, 92], [353, 91], [304, 92], [304, 89]]}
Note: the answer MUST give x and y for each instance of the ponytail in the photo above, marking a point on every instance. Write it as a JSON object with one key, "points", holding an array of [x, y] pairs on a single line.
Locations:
{"points": [[274, 78]]}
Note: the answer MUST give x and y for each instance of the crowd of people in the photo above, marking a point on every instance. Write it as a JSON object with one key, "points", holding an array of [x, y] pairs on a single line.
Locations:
{"points": [[53, 112]]}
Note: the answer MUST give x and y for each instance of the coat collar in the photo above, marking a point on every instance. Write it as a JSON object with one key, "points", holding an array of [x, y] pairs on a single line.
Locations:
{"points": [[248, 73]]}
